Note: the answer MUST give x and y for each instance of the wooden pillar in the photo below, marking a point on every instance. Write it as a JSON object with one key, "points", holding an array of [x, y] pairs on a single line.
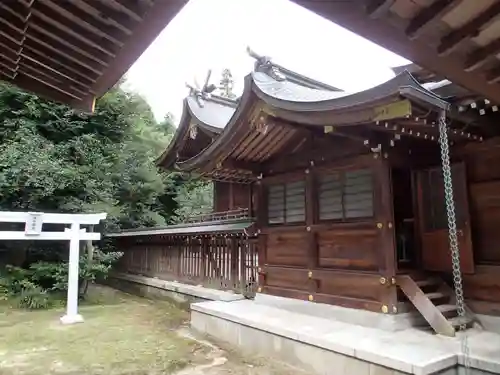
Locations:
{"points": [[385, 225], [311, 219], [234, 261], [231, 196], [261, 221]]}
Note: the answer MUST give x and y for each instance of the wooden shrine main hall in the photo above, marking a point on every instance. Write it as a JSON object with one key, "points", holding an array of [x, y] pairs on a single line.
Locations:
{"points": [[335, 198]]}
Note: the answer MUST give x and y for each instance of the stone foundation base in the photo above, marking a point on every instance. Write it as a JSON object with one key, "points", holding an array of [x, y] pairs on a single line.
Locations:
{"points": [[329, 347]]}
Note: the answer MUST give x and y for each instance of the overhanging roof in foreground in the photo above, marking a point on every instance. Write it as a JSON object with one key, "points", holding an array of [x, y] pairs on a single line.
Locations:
{"points": [[457, 39], [72, 51]]}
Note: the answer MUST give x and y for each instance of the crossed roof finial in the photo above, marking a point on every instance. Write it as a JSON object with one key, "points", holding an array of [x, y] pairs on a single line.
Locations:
{"points": [[203, 92], [264, 64]]}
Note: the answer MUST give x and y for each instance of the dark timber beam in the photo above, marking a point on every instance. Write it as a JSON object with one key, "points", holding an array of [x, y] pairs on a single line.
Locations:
{"points": [[493, 75], [156, 18], [378, 8], [73, 30], [481, 55], [469, 30], [428, 16], [241, 165], [95, 25]]}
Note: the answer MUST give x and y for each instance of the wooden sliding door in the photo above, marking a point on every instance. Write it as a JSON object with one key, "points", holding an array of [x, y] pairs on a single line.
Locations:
{"points": [[433, 220]]}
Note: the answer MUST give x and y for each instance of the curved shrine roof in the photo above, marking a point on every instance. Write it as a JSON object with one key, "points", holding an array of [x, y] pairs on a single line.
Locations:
{"points": [[292, 98]]}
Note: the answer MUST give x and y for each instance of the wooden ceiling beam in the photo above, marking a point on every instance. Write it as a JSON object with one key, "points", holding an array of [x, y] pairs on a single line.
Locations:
{"points": [[85, 78], [160, 14], [7, 74], [7, 63], [13, 22], [378, 8], [428, 16], [49, 81], [481, 55], [493, 76], [131, 8], [7, 54], [32, 85], [234, 164], [65, 81], [73, 31], [8, 69], [469, 30], [92, 24], [24, 76], [9, 48], [17, 9], [13, 34], [56, 48], [66, 42], [107, 14]]}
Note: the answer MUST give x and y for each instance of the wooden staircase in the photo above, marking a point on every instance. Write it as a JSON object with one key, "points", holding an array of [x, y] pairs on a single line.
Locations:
{"points": [[434, 300]]}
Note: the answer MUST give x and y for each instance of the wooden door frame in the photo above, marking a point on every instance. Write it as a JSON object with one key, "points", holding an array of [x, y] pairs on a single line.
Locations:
{"points": [[419, 219]]}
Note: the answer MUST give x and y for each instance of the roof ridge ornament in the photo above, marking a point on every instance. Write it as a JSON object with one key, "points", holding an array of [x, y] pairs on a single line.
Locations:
{"points": [[203, 93], [264, 64]]}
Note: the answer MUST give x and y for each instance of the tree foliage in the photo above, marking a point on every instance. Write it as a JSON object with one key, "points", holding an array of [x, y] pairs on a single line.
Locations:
{"points": [[227, 84], [53, 158], [56, 159]]}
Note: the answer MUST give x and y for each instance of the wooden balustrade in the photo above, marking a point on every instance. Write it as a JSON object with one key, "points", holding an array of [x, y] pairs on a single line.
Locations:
{"points": [[227, 262]]}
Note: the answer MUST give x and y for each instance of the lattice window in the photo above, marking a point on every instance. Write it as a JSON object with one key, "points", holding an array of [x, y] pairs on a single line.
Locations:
{"points": [[346, 195], [286, 203]]}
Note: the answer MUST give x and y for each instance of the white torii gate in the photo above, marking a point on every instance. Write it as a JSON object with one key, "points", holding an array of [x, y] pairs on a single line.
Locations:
{"points": [[33, 231]]}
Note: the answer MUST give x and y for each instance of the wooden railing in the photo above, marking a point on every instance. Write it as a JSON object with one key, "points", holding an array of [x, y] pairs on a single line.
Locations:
{"points": [[242, 213], [218, 261]]}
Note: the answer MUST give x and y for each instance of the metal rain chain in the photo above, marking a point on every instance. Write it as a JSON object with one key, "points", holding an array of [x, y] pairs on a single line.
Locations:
{"points": [[452, 233]]}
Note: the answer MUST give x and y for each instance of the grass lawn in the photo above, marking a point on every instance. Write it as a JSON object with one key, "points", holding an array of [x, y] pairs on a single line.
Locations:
{"points": [[122, 334]]}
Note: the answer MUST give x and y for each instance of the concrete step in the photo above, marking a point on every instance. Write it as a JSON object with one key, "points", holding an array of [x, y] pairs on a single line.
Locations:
{"points": [[461, 320]]}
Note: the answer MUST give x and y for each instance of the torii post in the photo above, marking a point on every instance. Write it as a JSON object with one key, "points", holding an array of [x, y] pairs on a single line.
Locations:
{"points": [[33, 231]]}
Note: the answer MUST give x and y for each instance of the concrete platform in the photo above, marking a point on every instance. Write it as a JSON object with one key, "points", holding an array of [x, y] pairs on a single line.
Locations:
{"points": [[179, 292], [330, 347], [388, 322]]}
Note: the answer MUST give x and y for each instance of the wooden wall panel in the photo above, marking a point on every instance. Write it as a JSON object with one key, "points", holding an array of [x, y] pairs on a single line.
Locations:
{"points": [[287, 278], [480, 162], [221, 196], [241, 196], [287, 248], [348, 248], [484, 285], [337, 287], [347, 284], [485, 211], [231, 196], [483, 177]]}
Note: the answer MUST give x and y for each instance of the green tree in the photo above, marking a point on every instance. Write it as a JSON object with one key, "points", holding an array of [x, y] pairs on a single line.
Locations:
{"points": [[55, 159], [227, 84]]}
